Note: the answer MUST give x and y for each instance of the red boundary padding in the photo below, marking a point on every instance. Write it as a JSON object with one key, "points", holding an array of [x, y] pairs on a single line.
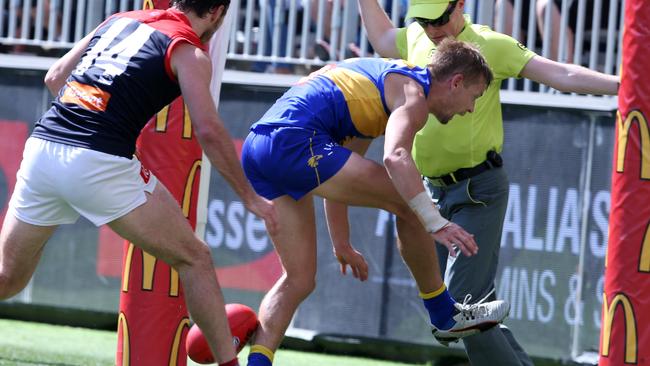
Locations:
{"points": [[625, 332]]}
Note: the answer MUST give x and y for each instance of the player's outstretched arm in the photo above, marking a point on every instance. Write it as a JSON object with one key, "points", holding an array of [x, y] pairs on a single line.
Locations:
{"points": [[339, 229], [381, 31], [407, 101], [62, 68], [570, 78], [193, 69], [336, 215]]}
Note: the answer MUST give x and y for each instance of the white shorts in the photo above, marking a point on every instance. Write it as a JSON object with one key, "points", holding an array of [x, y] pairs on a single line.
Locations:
{"points": [[56, 183]]}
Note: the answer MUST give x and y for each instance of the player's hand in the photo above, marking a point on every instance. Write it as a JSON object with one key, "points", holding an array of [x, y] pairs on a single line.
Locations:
{"points": [[348, 256], [455, 237], [264, 209]]}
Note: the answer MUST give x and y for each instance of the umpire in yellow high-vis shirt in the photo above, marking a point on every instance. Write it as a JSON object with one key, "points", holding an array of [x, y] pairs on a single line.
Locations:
{"points": [[461, 160]]}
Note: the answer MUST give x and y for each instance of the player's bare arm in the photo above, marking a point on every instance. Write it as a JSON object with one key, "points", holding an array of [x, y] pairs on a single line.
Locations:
{"points": [[62, 68], [407, 101], [336, 214], [193, 69], [381, 31], [570, 78]]}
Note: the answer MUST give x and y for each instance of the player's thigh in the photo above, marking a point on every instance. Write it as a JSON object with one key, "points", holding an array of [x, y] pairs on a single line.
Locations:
{"points": [[362, 182], [159, 228], [21, 246], [295, 240]]}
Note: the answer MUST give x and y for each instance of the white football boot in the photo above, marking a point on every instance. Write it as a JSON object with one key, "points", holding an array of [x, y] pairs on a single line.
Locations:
{"points": [[472, 319]]}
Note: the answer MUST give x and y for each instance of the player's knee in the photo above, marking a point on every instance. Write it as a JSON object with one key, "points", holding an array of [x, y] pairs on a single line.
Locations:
{"points": [[4, 286], [192, 253], [302, 284], [9, 286]]}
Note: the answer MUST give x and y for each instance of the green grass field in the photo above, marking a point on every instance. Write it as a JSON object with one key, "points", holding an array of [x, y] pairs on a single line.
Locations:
{"points": [[29, 344]]}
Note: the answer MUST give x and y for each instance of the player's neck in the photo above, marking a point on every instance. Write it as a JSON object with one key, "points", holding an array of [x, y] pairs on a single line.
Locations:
{"points": [[436, 93]]}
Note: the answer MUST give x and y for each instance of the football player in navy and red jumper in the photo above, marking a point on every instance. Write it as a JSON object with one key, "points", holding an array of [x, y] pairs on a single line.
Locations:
{"points": [[152, 300], [79, 159]]}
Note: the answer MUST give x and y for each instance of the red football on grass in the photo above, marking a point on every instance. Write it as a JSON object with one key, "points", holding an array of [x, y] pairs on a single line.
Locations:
{"points": [[243, 323]]}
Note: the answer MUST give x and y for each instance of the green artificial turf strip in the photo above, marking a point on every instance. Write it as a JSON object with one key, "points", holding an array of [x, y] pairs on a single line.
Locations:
{"points": [[24, 343], [296, 358], [30, 344]]}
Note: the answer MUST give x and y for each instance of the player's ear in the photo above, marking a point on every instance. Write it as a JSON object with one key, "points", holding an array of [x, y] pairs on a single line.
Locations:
{"points": [[456, 81], [217, 12]]}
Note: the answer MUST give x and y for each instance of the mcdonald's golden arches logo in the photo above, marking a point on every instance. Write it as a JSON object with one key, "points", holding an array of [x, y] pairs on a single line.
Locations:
{"points": [[147, 4], [623, 127], [631, 343], [126, 346], [644, 259], [623, 137]]}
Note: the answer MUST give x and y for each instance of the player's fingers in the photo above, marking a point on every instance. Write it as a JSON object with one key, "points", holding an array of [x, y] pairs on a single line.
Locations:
{"points": [[271, 223], [343, 268], [446, 237], [451, 247], [364, 271], [361, 266], [463, 248], [274, 225], [460, 242], [355, 271], [469, 245], [364, 265], [463, 240]]}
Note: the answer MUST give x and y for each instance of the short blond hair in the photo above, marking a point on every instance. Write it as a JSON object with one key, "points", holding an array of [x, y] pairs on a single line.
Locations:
{"points": [[458, 57]]}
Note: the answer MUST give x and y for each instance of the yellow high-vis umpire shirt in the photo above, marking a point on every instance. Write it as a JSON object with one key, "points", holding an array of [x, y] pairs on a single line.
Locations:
{"points": [[464, 142]]}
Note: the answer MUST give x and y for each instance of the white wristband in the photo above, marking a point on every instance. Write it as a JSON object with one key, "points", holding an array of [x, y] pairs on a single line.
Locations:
{"points": [[427, 212]]}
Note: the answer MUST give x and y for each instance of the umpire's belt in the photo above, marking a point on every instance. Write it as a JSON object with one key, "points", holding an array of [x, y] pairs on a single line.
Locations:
{"points": [[493, 161]]}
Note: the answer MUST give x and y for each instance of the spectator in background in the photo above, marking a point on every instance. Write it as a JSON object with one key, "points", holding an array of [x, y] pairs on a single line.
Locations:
{"points": [[506, 8], [555, 17], [591, 25], [270, 13], [554, 7], [322, 47], [32, 32]]}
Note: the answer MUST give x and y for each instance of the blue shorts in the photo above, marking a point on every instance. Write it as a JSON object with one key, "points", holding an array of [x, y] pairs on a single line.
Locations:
{"points": [[290, 160]]}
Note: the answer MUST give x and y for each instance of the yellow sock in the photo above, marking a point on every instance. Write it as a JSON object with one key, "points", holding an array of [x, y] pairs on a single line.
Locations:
{"points": [[260, 356], [431, 295]]}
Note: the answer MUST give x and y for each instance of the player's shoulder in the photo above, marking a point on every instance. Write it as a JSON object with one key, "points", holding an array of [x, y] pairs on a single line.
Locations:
{"points": [[402, 89], [189, 52]]}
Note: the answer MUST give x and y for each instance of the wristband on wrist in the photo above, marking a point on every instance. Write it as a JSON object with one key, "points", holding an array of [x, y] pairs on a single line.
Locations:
{"points": [[233, 362], [428, 214]]}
